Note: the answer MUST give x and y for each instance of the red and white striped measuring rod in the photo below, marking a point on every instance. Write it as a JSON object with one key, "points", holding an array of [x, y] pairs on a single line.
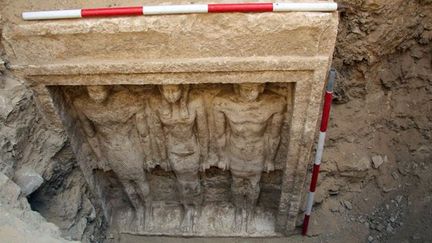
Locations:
{"points": [[181, 9], [320, 148]]}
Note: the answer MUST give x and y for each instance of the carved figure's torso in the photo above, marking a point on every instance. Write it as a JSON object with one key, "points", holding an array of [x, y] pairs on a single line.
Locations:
{"points": [[116, 131], [246, 126], [179, 130]]}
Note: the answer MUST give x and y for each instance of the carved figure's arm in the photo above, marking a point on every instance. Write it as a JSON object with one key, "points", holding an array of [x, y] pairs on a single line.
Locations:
{"points": [[203, 134], [87, 125], [141, 124], [219, 119], [90, 132], [144, 134], [272, 139], [157, 132]]}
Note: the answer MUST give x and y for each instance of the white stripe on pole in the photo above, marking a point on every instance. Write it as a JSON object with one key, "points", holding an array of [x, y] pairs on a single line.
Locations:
{"points": [[309, 203], [57, 14], [304, 7], [175, 9], [320, 148]]}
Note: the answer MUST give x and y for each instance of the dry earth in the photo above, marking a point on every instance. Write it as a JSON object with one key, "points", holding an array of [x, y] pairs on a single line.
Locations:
{"points": [[376, 180]]}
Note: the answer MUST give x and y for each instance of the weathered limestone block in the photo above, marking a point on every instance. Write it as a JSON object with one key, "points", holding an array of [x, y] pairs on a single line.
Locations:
{"points": [[9, 191], [195, 125], [18, 223], [28, 180]]}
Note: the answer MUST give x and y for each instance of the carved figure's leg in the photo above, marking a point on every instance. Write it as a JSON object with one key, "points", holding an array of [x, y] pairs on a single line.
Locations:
{"points": [[252, 195], [144, 192], [191, 198], [132, 194], [134, 198], [237, 191]]}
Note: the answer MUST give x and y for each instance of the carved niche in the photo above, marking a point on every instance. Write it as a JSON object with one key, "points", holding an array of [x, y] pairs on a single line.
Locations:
{"points": [[186, 157]]}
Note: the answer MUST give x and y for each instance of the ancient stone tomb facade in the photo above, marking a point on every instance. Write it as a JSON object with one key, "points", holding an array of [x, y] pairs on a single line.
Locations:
{"points": [[197, 125]]}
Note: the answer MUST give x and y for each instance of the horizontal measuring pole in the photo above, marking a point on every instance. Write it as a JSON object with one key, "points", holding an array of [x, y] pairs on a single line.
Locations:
{"points": [[181, 9]]}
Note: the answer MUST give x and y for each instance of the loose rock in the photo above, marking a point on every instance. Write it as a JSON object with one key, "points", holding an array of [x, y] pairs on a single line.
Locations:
{"points": [[380, 227], [377, 161], [399, 199], [28, 179], [347, 205], [389, 228]]}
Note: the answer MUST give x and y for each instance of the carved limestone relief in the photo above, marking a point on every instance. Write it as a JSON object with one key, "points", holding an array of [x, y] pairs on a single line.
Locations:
{"points": [[203, 128], [179, 126], [166, 134], [248, 122], [116, 130], [186, 159]]}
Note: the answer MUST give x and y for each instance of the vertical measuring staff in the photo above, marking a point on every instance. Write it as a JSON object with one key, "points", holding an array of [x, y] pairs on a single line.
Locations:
{"points": [[320, 147]]}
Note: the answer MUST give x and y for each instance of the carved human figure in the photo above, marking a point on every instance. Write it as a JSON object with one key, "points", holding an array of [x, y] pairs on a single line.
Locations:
{"points": [[179, 125], [248, 122], [117, 131]]}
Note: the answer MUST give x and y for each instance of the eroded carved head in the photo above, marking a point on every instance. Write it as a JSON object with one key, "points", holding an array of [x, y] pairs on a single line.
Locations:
{"points": [[171, 92], [250, 91], [98, 93]]}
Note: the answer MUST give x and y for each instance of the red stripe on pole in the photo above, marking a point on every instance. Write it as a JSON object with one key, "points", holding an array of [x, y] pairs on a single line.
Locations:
{"points": [[106, 12], [326, 111], [240, 7], [315, 172], [305, 224]]}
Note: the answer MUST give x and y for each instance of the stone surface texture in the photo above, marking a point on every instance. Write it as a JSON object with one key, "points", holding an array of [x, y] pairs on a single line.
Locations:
{"points": [[18, 223], [194, 125], [28, 179], [28, 143]]}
